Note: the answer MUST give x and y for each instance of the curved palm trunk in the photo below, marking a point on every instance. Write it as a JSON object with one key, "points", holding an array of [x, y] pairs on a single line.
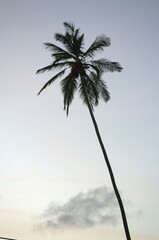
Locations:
{"points": [[126, 228]]}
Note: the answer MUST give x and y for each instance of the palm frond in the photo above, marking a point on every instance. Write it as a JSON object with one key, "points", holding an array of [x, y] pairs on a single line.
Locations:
{"points": [[73, 44], [61, 57], [93, 67], [68, 86], [100, 87], [54, 66], [61, 38], [92, 90], [103, 92], [57, 50], [44, 69], [69, 27], [52, 80], [88, 90], [72, 39], [116, 67], [78, 44], [66, 40], [94, 87], [81, 41], [76, 34], [98, 45], [106, 65], [60, 65]]}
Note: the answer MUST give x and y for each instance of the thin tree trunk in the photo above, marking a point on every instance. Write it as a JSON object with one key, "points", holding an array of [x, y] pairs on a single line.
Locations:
{"points": [[126, 228]]}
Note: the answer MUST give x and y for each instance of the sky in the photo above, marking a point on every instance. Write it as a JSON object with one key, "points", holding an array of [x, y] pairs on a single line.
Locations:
{"points": [[54, 182]]}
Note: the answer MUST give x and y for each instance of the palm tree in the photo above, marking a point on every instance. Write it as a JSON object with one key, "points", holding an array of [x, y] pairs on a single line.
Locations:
{"points": [[80, 72]]}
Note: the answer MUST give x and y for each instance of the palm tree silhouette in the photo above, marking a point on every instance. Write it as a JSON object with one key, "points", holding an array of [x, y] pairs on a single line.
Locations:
{"points": [[80, 72]]}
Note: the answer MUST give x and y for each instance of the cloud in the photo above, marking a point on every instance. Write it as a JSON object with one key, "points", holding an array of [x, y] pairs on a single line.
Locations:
{"points": [[85, 210]]}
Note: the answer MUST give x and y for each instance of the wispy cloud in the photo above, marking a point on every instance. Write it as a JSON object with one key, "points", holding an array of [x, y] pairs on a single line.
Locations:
{"points": [[87, 209]]}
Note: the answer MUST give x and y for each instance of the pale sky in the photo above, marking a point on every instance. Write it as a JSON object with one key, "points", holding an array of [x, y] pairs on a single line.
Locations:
{"points": [[51, 164]]}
